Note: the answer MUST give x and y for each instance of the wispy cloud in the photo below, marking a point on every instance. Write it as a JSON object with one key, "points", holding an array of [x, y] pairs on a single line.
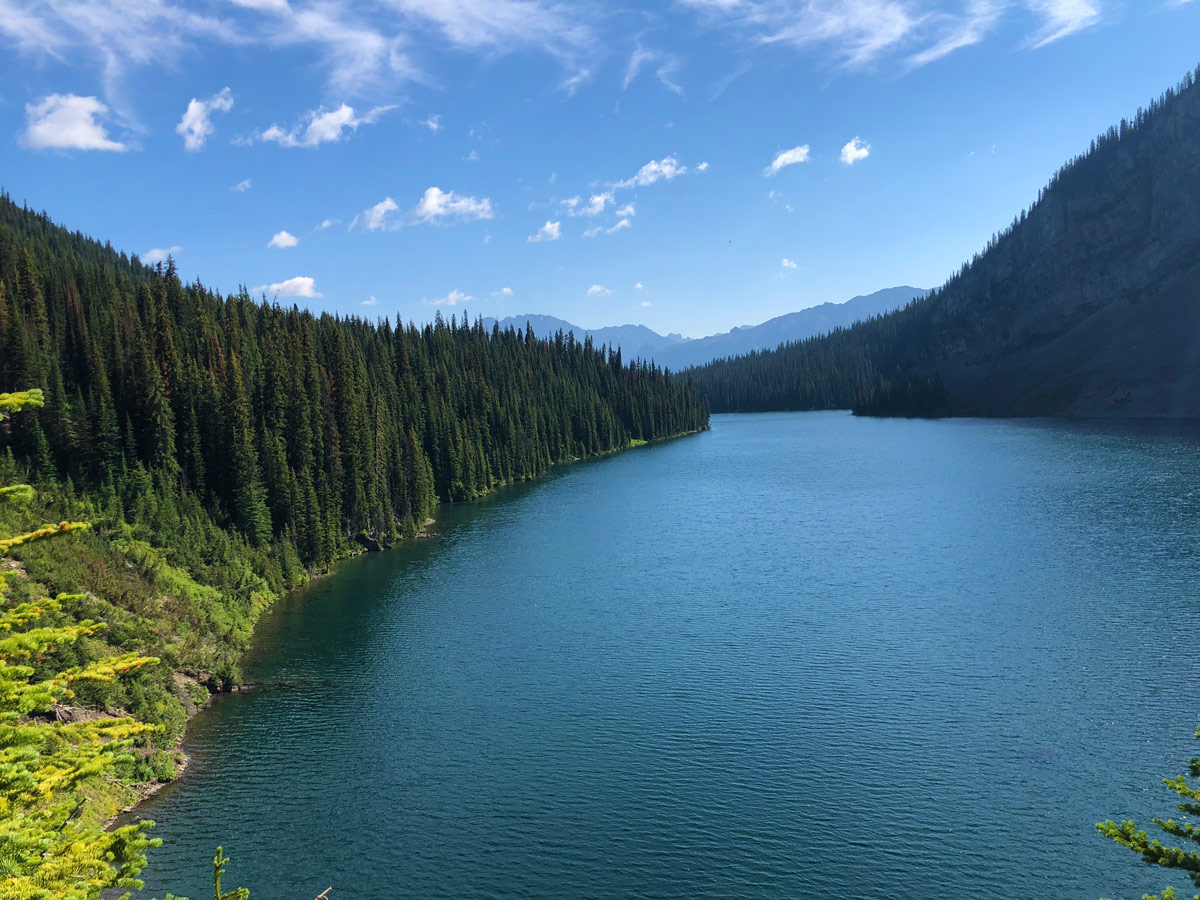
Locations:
{"points": [[283, 239], [788, 263], [322, 126], [1061, 18], [196, 124], [433, 123], [503, 292], [371, 301], [241, 187], [68, 122], [787, 158], [860, 33], [551, 231], [160, 254], [598, 290], [955, 32], [300, 286], [600, 229], [666, 65]]}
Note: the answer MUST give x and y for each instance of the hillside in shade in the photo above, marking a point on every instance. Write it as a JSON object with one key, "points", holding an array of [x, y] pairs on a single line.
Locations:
{"points": [[1087, 305]]}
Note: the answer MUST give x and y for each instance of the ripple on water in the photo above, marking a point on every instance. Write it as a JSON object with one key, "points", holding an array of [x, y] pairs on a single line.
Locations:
{"points": [[802, 655]]}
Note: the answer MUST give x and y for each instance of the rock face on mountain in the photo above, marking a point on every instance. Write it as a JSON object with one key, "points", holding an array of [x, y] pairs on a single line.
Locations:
{"points": [[1090, 304]]}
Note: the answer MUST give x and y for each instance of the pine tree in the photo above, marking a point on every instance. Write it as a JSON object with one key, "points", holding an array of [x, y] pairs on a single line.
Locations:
{"points": [[1153, 852], [46, 851]]}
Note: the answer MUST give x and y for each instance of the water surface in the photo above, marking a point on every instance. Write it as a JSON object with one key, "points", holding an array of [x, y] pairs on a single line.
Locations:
{"points": [[802, 655]]}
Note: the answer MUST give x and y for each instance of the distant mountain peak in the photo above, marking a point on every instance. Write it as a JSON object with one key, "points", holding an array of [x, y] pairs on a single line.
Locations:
{"points": [[677, 352]]}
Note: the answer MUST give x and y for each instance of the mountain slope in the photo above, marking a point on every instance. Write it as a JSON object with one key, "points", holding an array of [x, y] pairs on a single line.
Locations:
{"points": [[1087, 305], [1090, 304]]}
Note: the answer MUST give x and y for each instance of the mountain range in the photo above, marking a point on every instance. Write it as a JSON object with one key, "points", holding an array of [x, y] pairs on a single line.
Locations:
{"points": [[677, 352]]}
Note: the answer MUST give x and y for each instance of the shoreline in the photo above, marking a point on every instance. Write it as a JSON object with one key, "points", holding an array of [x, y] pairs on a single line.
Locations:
{"points": [[147, 790]]}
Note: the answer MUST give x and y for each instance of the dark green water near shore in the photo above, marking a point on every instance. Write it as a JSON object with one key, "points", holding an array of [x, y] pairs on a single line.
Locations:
{"points": [[801, 655]]}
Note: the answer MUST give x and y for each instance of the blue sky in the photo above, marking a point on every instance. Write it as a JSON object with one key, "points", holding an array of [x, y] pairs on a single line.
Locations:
{"points": [[691, 166]]}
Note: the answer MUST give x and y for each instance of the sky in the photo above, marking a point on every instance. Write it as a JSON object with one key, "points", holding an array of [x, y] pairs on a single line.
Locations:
{"points": [[692, 165]]}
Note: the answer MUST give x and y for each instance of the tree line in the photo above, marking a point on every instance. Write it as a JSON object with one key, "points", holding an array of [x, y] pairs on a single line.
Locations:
{"points": [[864, 368], [296, 431]]}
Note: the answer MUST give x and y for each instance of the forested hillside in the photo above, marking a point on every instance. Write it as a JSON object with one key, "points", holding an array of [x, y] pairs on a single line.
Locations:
{"points": [[1088, 304], [224, 449], [842, 370]]}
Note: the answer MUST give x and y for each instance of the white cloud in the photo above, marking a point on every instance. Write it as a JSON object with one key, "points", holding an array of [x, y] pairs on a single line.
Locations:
{"points": [[854, 151], [433, 123], [639, 287], [595, 205], [68, 122], [787, 158], [664, 169], [242, 186], [451, 299], [598, 290], [437, 205], [1062, 17], [703, 167], [626, 211], [321, 126], [788, 263], [645, 303], [159, 254], [283, 240], [196, 124], [551, 231], [374, 218], [503, 292], [600, 229], [300, 286], [371, 301]]}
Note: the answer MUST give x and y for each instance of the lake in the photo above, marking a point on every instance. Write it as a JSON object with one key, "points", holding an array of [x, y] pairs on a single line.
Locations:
{"points": [[801, 655]]}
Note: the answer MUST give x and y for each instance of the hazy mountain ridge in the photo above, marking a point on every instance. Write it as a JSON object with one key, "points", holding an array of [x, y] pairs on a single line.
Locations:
{"points": [[784, 329], [677, 352], [634, 340]]}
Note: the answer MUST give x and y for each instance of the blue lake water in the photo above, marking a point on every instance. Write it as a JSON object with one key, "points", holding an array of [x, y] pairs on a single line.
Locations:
{"points": [[801, 655]]}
